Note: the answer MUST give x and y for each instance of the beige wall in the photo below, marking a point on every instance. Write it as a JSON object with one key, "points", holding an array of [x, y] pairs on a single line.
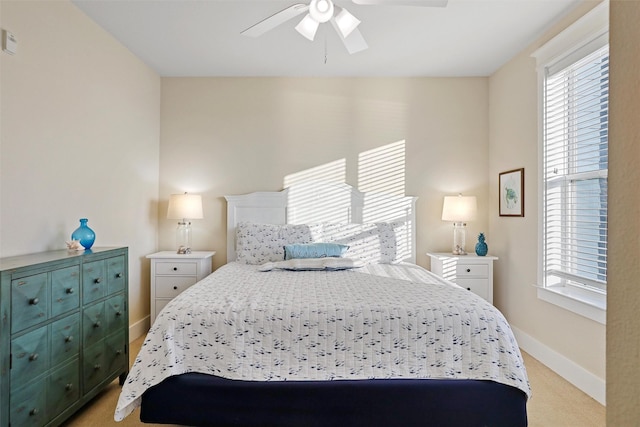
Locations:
{"points": [[553, 333], [237, 135], [80, 138], [623, 322]]}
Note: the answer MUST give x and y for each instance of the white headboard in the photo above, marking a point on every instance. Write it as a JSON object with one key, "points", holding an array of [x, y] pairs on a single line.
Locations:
{"points": [[314, 202]]}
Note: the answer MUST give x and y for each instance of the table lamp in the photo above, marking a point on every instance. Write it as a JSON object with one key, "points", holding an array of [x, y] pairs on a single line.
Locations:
{"points": [[459, 209], [184, 207]]}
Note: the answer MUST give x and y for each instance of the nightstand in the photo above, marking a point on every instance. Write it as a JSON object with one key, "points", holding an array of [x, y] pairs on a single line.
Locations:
{"points": [[172, 273], [472, 272]]}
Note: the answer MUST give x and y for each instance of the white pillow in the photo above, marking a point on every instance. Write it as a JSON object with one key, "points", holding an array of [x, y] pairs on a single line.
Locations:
{"points": [[306, 264], [374, 243], [260, 243]]}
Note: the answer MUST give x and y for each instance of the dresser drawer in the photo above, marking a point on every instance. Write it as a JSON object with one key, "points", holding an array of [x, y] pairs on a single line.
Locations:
{"points": [[116, 274], [63, 388], [30, 356], [29, 405], [65, 339], [115, 353], [472, 270], [177, 268], [65, 290], [94, 367], [29, 301], [479, 287], [116, 314], [94, 283], [170, 287], [94, 324]]}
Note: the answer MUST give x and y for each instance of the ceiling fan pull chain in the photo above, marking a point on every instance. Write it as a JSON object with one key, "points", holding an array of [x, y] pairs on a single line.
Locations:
{"points": [[325, 47]]}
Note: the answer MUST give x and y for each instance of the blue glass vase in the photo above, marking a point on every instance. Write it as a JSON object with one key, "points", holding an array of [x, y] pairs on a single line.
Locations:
{"points": [[84, 234], [481, 246]]}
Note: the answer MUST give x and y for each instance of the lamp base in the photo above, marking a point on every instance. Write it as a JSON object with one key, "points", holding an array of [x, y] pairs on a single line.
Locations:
{"points": [[459, 237], [183, 237]]}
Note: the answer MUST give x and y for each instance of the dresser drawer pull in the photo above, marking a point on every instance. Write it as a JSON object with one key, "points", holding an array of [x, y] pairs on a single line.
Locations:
{"points": [[118, 313], [69, 338], [468, 270], [34, 301], [98, 280], [118, 353], [68, 387], [175, 288], [33, 412], [119, 275], [96, 367], [33, 357], [175, 268], [96, 325], [468, 289], [70, 290]]}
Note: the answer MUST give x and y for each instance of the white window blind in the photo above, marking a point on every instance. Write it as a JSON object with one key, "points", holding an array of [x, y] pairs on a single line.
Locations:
{"points": [[575, 163]]}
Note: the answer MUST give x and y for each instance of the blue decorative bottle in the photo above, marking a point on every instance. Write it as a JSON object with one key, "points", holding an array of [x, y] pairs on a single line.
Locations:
{"points": [[481, 246], [84, 234]]}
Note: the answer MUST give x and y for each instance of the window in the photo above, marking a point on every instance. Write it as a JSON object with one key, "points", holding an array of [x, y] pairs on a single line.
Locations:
{"points": [[575, 159], [574, 100]]}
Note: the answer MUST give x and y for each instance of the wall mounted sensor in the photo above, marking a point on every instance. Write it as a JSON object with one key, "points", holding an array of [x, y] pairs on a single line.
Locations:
{"points": [[9, 42]]}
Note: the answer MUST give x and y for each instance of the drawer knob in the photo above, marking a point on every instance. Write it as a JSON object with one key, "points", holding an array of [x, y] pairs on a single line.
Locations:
{"points": [[175, 268], [468, 270], [68, 387], [98, 280], [118, 276], [34, 301], [175, 288], [96, 367], [96, 325], [118, 353], [70, 290], [468, 289], [69, 338], [33, 357], [118, 313], [33, 412]]}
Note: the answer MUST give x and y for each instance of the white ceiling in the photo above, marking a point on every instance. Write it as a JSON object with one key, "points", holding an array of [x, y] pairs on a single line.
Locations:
{"points": [[202, 37]]}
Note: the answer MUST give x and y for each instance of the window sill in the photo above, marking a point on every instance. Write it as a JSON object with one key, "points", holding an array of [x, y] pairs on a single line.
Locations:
{"points": [[590, 304]]}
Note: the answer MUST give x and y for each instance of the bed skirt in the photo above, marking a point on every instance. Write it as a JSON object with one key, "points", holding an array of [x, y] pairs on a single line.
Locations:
{"points": [[196, 399]]}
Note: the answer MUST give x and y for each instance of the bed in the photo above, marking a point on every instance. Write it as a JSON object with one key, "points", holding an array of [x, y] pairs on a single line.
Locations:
{"points": [[289, 333]]}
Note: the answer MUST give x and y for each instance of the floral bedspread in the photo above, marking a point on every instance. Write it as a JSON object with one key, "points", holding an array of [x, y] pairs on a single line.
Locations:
{"points": [[378, 321]]}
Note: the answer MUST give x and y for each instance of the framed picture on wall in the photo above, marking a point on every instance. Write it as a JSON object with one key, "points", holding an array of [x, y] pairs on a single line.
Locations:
{"points": [[511, 192]]}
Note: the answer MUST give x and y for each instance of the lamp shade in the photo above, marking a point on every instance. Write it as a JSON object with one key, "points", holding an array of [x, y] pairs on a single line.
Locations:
{"points": [[459, 208], [185, 206]]}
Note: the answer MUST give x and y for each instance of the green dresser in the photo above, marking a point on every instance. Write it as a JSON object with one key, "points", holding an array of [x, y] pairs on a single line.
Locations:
{"points": [[64, 332]]}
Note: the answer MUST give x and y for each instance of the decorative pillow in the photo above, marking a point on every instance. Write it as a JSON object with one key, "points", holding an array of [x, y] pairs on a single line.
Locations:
{"points": [[306, 264], [260, 243], [314, 250], [374, 243]]}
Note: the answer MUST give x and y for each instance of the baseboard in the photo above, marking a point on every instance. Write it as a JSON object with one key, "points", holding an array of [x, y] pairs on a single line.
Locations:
{"points": [[589, 383], [139, 328]]}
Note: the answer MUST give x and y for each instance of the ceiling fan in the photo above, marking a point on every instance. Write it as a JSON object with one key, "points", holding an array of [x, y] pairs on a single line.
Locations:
{"points": [[321, 11]]}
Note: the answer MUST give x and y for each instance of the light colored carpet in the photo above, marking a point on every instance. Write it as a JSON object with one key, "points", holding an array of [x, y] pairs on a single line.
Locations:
{"points": [[555, 402]]}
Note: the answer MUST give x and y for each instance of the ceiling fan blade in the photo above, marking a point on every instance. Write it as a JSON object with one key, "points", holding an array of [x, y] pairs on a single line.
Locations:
{"points": [[354, 42], [423, 3], [276, 19]]}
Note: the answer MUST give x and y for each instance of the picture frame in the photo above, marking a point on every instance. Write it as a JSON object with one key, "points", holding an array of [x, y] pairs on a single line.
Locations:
{"points": [[511, 193]]}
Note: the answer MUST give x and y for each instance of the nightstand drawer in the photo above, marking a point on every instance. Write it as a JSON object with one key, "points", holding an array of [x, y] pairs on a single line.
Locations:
{"points": [[170, 287], [479, 287], [472, 270], [177, 268]]}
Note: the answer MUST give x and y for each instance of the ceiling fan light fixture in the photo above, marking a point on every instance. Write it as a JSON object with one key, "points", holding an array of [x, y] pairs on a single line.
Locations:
{"points": [[346, 22], [321, 10], [308, 27]]}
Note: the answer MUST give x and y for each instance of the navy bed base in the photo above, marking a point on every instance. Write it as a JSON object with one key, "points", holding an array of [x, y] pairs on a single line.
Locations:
{"points": [[207, 401]]}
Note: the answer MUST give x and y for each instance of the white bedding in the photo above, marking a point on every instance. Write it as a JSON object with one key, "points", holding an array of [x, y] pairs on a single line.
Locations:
{"points": [[378, 321]]}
